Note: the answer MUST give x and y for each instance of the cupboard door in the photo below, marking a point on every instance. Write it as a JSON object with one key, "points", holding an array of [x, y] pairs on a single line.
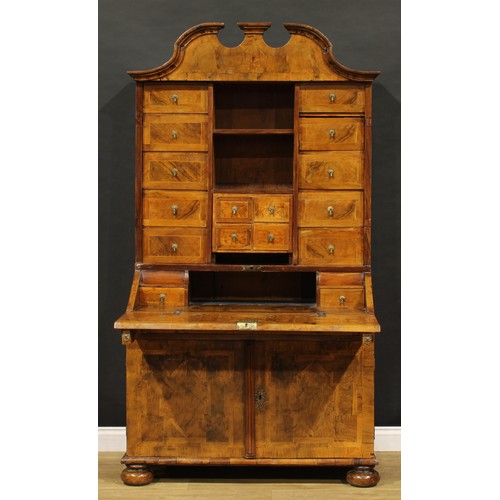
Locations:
{"points": [[314, 399], [185, 399]]}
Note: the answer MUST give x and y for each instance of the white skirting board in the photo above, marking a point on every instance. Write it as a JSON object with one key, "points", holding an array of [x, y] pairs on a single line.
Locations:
{"points": [[114, 439]]}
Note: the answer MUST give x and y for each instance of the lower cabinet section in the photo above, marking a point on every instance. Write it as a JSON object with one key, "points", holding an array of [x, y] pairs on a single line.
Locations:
{"points": [[244, 400]]}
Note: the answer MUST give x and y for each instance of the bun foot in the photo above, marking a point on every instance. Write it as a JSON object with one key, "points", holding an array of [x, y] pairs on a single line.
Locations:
{"points": [[137, 475], [363, 477]]}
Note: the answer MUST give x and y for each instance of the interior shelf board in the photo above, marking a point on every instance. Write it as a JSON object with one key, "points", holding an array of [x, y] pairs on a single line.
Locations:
{"points": [[253, 131], [254, 188]]}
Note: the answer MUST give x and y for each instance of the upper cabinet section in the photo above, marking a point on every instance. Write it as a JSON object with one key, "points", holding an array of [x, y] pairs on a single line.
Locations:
{"points": [[199, 56]]}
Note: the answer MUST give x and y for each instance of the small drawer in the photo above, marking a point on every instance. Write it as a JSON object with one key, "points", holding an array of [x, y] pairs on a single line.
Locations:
{"points": [[171, 245], [336, 134], [272, 208], [170, 132], [232, 209], [231, 238], [342, 298], [325, 247], [330, 208], [271, 237], [174, 170], [327, 98], [331, 170], [171, 208], [162, 296], [175, 98]]}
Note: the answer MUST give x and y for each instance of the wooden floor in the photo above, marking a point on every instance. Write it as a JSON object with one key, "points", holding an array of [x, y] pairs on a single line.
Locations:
{"points": [[242, 483]]}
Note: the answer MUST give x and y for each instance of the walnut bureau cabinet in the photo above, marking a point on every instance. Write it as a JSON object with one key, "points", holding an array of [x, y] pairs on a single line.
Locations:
{"points": [[250, 325]]}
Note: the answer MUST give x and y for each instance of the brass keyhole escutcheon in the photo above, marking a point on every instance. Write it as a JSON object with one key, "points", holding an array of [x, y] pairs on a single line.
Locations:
{"points": [[234, 210], [270, 237], [174, 209], [332, 97], [330, 211], [175, 98], [331, 249], [174, 134], [174, 247], [330, 172], [260, 398], [175, 172], [271, 210], [162, 299], [342, 299], [234, 237], [332, 133]]}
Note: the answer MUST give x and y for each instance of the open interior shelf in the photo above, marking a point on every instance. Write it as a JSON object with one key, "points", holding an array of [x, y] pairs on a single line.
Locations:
{"points": [[252, 287], [253, 106], [253, 160]]}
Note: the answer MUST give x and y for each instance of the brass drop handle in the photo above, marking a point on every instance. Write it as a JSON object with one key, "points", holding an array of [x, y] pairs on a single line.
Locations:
{"points": [[330, 172], [271, 210], [332, 97], [234, 237], [270, 237], [332, 132], [234, 210], [174, 134], [175, 98], [162, 298], [342, 299], [330, 211], [174, 209], [174, 247], [331, 249], [175, 172]]}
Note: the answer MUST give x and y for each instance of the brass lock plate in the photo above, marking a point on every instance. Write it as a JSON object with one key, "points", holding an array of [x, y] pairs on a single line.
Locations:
{"points": [[246, 325]]}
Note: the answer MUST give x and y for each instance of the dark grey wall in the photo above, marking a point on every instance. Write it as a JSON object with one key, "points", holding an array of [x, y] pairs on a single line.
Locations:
{"points": [[135, 35]]}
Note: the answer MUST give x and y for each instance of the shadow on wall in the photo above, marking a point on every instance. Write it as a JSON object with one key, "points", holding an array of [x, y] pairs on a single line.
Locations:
{"points": [[116, 245], [386, 253]]}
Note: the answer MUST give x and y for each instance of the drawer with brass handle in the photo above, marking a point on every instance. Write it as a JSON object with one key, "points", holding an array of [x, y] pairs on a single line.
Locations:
{"points": [[171, 132], [232, 237], [342, 298], [328, 98], [271, 237], [174, 245], [171, 208], [172, 170], [335, 134], [330, 208], [324, 247], [272, 208], [175, 98], [232, 208], [162, 296], [331, 170]]}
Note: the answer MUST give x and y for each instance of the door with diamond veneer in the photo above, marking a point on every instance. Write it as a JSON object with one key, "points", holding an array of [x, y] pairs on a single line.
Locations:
{"points": [[314, 399]]}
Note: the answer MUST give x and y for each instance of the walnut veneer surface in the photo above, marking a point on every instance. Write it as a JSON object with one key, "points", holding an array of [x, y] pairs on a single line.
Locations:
{"points": [[250, 323]]}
